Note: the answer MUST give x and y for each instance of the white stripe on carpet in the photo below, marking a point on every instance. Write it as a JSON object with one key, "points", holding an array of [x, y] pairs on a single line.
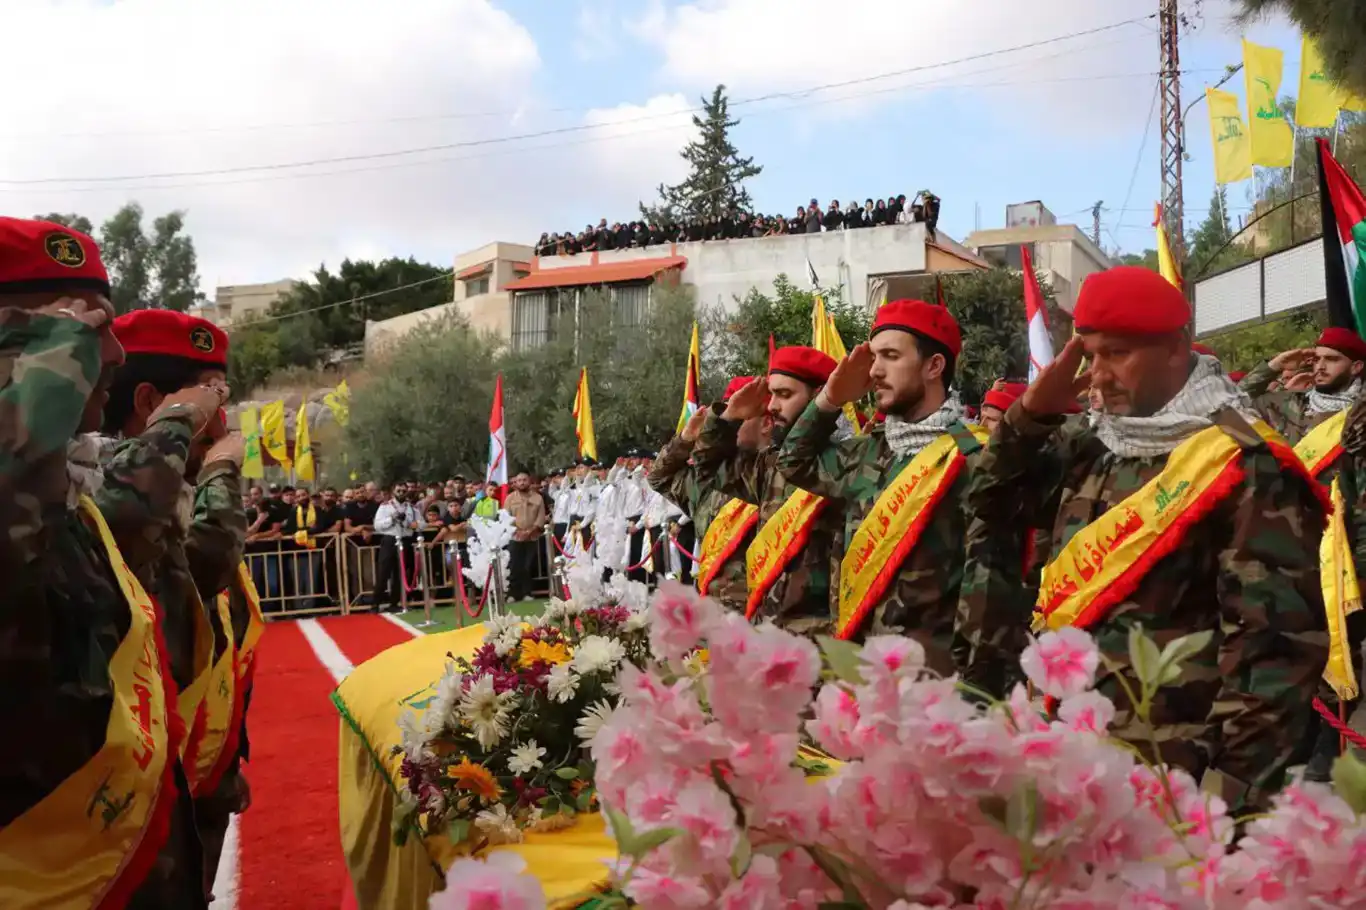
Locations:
{"points": [[326, 650], [226, 881], [408, 627]]}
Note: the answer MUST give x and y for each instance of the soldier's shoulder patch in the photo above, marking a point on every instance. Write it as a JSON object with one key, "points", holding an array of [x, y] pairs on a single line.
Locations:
{"points": [[64, 249]]}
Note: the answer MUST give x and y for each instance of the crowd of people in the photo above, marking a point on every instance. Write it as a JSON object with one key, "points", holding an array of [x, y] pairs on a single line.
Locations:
{"points": [[811, 218], [1132, 483]]}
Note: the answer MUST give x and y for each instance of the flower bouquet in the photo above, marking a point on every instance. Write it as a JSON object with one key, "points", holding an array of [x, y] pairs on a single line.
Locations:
{"points": [[502, 746], [933, 799]]}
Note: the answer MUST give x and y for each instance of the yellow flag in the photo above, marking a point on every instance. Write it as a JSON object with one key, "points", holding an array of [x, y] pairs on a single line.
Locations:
{"points": [[826, 339], [1166, 263], [583, 419], [273, 432], [1273, 141], [692, 383], [1319, 99], [1228, 135], [303, 447], [252, 465], [338, 401]]}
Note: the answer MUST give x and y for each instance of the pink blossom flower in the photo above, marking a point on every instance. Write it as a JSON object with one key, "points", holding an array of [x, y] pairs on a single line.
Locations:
{"points": [[668, 891], [708, 819], [757, 890], [680, 618], [495, 883], [836, 720], [1088, 712], [1061, 663], [763, 685]]}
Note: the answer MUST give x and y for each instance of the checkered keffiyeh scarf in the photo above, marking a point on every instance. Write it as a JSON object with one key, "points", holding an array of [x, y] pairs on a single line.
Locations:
{"points": [[907, 438], [85, 458], [1332, 402], [1208, 391]]}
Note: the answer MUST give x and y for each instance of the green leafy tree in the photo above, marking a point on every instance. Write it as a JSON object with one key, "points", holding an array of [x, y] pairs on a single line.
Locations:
{"points": [[717, 172], [1244, 348], [71, 220], [160, 270], [738, 335], [989, 307], [1336, 27], [1209, 249], [1147, 259]]}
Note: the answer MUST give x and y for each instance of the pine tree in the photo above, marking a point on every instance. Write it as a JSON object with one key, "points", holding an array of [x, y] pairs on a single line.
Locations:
{"points": [[1209, 248], [715, 183]]}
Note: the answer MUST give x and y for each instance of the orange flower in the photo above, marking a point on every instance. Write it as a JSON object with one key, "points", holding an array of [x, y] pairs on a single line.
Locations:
{"points": [[539, 651], [475, 778]]}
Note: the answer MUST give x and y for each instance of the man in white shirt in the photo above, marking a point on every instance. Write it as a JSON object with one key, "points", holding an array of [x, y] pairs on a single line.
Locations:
{"points": [[396, 521]]}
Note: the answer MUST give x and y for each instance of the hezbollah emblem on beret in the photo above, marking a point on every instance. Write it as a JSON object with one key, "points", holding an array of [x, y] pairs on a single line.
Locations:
{"points": [[64, 249], [201, 339]]}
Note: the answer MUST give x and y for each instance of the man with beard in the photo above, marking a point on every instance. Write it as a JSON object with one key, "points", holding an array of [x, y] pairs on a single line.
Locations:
{"points": [[1336, 361], [726, 524], [789, 563], [396, 521], [187, 566], [1176, 510], [94, 806], [997, 401], [900, 485]]}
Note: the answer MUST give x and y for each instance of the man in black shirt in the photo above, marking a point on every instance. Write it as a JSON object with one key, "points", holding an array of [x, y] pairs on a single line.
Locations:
{"points": [[358, 522], [834, 218]]}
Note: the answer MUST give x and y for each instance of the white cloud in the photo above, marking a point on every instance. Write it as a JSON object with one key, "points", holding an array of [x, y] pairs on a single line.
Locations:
{"points": [[595, 30], [142, 87], [758, 46]]}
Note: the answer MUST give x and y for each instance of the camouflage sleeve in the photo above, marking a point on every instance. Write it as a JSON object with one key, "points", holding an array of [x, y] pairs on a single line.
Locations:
{"points": [[49, 367], [994, 603], [671, 477], [720, 464], [1258, 380], [218, 532], [142, 486], [811, 459], [1275, 641]]}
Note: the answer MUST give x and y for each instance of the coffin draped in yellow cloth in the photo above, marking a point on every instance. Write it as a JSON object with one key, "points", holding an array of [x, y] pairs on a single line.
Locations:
{"points": [[570, 863]]}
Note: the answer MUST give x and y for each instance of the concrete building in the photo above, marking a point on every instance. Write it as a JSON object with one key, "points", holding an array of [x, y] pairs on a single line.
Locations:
{"points": [[238, 302], [1062, 252], [864, 264], [482, 278]]}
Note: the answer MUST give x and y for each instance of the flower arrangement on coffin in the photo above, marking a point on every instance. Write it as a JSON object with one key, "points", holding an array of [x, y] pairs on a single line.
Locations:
{"points": [[491, 537], [503, 745], [935, 800]]}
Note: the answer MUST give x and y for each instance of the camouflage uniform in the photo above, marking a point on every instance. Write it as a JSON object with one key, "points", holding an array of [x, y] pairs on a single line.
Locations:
{"points": [[800, 600], [63, 615], [1288, 412], [673, 477], [1248, 571], [923, 600]]}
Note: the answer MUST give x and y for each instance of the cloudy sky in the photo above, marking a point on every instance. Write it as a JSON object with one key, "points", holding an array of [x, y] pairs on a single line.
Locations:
{"points": [[298, 132]]}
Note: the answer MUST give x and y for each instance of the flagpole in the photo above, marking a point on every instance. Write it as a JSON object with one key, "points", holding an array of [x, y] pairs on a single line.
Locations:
{"points": [[1337, 128]]}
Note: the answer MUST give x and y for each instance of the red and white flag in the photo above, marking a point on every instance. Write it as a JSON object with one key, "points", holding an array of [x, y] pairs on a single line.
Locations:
{"points": [[498, 446], [1036, 320]]}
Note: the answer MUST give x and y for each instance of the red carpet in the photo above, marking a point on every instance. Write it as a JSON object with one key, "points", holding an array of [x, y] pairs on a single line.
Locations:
{"points": [[290, 848]]}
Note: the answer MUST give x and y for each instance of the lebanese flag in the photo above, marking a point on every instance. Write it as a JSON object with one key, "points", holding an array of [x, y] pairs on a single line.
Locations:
{"points": [[1344, 243], [498, 444], [1036, 320]]}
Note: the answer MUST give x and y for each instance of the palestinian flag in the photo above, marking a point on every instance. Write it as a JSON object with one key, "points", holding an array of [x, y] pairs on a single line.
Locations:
{"points": [[1344, 243]]}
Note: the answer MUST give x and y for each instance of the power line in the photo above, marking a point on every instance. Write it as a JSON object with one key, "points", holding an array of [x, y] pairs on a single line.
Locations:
{"points": [[328, 306], [577, 128], [1138, 160]]}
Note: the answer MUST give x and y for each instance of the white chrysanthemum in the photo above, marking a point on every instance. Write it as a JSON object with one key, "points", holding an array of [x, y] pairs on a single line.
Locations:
{"points": [[487, 713], [591, 721], [636, 621], [495, 626], [497, 826], [418, 731], [526, 758], [561, 683], [506, 643], [447, 695], [598, 654]]}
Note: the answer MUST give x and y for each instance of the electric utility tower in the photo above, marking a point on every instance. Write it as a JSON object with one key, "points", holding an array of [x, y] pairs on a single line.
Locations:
{"points": [[1169, 87]]}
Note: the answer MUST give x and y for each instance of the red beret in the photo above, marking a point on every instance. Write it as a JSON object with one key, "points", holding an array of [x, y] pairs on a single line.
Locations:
{"points": [[1344, 340], [172, 334], [42, 256], [1237, 375], [928, 319], [1002, 399], [736, 384], [807, 364], [1130, 300], [1205, 349]]}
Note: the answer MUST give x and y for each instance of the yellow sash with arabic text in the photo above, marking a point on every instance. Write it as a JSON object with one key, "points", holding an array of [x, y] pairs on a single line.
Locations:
{"points": [[724, 536], [890, 531], [214, 726], [191, 698], [256, 624], [1321, 446], [1105, 561], [304, 522], [777, 542], [90, 842]]}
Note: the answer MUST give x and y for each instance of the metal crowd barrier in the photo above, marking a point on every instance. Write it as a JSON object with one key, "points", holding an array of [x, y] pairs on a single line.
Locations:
{"points": [[337, 574]]}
